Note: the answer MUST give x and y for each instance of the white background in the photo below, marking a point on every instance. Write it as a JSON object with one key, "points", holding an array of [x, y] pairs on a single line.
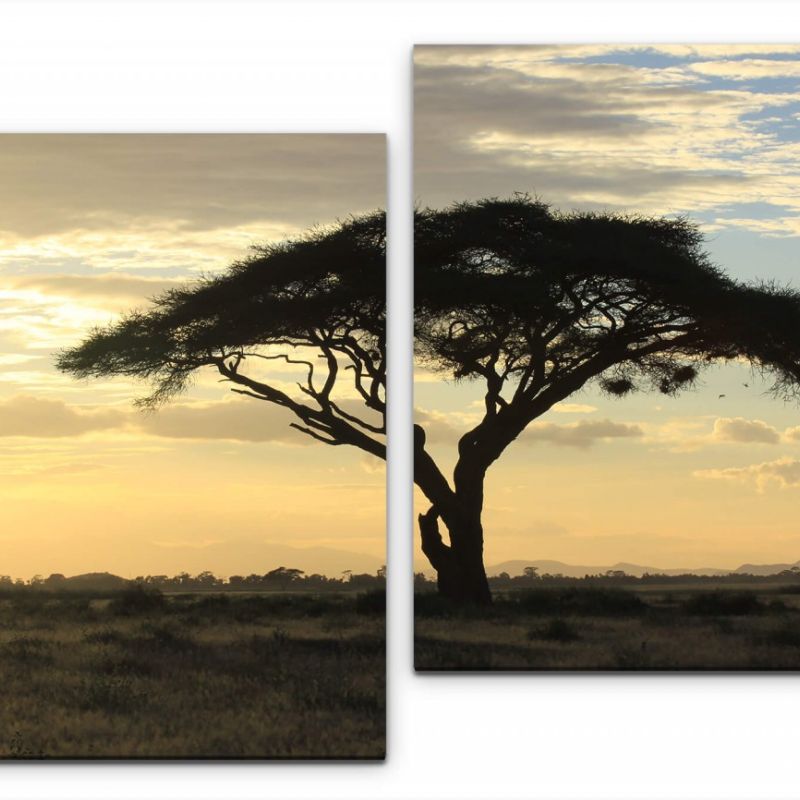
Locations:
{"points": [[339, 66]]}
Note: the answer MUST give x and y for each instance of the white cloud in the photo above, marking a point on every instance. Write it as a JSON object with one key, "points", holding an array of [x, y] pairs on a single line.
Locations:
{"points": [[689, 434], [110, 286], [14, 359], [573, 408], [599, 136], [581, 434], [236, 420], [37, 417], [792, 434], [785, 472], [744, 69], [441, 427], [245, 420], [742, 430], [773, 227]]}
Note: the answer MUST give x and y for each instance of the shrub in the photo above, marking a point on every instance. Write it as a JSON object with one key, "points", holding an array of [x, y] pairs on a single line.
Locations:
{"points": [[137, 600], [723, 604], [557, 630], [372, 602], [430, 605], [599, 602]]}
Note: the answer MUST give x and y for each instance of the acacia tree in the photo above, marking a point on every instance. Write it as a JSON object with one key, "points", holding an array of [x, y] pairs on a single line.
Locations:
{"points": [[534, 305], [316, 302]]}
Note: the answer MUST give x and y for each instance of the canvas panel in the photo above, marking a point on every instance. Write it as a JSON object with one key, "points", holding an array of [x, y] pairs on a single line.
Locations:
{"points": [[607, 458], [188, 571]]}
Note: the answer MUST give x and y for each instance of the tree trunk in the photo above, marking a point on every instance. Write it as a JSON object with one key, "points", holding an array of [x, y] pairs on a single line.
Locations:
{"points": [[461, 575]]}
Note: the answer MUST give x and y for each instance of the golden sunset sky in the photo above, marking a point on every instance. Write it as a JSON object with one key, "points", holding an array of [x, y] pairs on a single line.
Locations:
{"points": [[711, 132], [94, 225]]}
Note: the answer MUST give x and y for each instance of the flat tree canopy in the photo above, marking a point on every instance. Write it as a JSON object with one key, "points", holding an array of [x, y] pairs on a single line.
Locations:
{"points": [[317, 302], [534, 305]]}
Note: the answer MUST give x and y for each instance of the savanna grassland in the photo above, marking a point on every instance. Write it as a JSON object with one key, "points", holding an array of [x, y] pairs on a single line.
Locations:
{"points": [[144, 675], [753, 626]]}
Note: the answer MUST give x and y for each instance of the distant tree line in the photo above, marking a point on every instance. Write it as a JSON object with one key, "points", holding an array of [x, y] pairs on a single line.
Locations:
{"points": [[532, 578], [281, 579]]}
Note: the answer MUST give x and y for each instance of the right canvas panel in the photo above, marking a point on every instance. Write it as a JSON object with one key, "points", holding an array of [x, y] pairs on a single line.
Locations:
{"points": [[607, 438]]}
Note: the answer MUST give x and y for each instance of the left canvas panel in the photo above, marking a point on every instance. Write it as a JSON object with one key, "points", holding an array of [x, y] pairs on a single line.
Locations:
{"points": [[190, 326]]}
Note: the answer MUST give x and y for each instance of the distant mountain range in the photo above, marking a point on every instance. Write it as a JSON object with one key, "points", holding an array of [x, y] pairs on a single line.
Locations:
{"points": [[517, 566]]}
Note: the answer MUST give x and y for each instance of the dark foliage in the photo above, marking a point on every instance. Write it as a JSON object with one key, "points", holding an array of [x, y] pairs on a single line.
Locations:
{"points": [[724, 603], [557, 630], [535, 304], [511, 292], [317, 302], [372, 602], [138, 600], [142, 593], [599, 602], [588, 601]]}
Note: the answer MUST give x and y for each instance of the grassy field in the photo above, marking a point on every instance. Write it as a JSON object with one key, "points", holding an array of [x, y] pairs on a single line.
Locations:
{"points": [[192, 676], [590, 628]]}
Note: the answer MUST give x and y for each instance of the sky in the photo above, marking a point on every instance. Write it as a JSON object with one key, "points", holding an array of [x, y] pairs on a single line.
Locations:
{"points": [[710, 132], [94, 225]]}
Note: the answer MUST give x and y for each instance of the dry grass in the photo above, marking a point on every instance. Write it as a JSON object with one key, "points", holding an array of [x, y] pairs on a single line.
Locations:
{"points": [[196, 677], [673, 630]]}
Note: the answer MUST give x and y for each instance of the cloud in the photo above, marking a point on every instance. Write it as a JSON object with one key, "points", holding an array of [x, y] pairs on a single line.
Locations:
{"points": [[573, 408], [246, 420], [689, 434], [511, 55], [439, 427], [743, 430], [239, 420], [581, 434], [36, 417], [372, 465], [53, 183], [785, 472], [13, 359], [112, 286], [619, 134], [443, 427], [746, 69], [774, 227], [792, 434], [28, 472]]}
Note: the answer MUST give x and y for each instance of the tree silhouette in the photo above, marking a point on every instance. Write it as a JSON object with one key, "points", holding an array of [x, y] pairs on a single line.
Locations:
{"points": [[316, 302], [535, 305]]}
